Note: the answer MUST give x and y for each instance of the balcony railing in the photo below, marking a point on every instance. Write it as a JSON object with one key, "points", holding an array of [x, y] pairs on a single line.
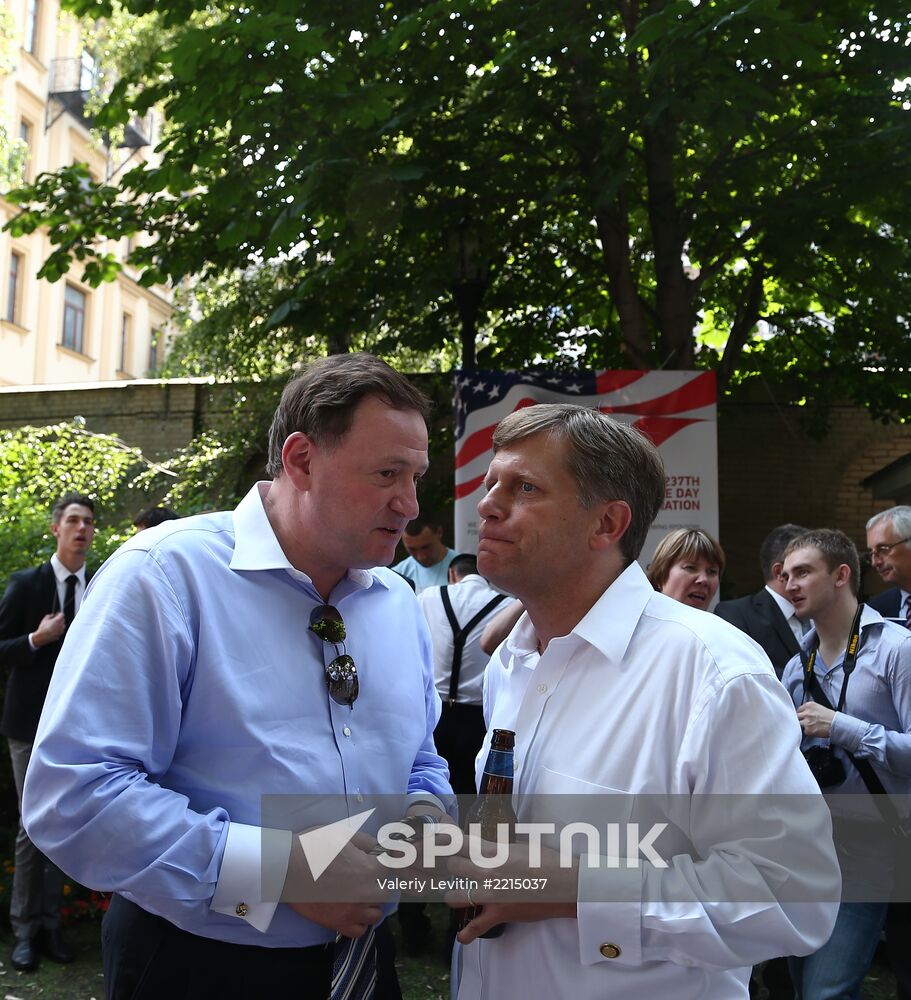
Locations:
{"points": [[71, 83]]}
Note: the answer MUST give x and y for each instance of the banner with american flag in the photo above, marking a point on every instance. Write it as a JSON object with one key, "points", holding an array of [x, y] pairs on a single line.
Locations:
{"points": [[676, 409]]}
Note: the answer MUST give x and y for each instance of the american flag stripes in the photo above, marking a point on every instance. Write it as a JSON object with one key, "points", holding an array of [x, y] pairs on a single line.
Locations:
{"points": [[675, 409]]}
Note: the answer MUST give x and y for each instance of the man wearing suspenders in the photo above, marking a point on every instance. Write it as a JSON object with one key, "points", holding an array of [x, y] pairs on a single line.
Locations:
{"points": [[456, 615]]}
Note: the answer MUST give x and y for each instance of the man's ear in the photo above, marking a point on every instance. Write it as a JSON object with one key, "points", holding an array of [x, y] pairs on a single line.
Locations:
{"points": [[612, 525], [777, 567], [55, 529], [297, 459], [843, 575]]}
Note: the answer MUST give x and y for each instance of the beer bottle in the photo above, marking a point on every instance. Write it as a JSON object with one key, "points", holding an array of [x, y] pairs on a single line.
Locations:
{"points": [[493, 806]]}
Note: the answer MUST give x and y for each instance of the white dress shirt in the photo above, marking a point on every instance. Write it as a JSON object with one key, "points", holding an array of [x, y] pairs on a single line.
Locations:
{"points": [[467, 597], [62, 574], [787, 609], [647, 695]]}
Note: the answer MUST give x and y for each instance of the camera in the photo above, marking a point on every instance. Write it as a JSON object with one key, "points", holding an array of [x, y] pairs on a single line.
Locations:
{"points": [[826, 768]]}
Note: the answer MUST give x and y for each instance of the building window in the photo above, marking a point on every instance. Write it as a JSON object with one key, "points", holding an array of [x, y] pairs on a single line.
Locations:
{"points": [[25, 135], [31, 27], [74, 319], [153, 351], [126, 325], [11, 312]]}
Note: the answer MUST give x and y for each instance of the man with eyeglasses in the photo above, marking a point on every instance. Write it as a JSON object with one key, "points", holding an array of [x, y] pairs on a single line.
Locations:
{"points": [[889, 551], [227, 657]]}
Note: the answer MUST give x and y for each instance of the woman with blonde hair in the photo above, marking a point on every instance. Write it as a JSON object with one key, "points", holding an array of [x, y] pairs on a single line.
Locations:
{"points": [[687, 565]]}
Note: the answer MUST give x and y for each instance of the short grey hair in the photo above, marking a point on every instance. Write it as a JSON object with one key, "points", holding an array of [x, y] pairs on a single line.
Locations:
{"points": [[607, 459], [899, 517]]}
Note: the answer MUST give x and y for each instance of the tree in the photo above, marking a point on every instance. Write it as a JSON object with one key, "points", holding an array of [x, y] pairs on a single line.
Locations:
{"points": [[39, 464], [639, 184]]}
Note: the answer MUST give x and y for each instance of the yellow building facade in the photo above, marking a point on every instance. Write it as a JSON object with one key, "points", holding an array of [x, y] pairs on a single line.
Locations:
{"points": [[67, 331]]}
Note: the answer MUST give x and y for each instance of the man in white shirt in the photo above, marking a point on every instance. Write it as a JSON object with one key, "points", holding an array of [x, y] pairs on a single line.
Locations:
{"points": [[612, 687], [458, 664]]}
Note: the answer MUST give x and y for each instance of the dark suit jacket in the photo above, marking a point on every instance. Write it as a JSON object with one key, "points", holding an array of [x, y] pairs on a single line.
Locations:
{"points": [[760, 617], [888, 603], [30, 595]]}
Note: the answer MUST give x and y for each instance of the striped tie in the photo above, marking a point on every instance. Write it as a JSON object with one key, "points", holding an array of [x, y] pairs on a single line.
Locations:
{"points": [[354, 968], [908, 612]]}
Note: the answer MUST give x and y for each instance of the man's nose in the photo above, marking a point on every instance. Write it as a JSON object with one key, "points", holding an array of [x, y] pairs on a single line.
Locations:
{"points": [[405, 501], [489, 505]]}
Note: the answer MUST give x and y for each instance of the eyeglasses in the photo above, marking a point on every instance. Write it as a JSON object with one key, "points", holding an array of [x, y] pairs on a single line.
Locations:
{"points": [[884, 548], [341, 674]]}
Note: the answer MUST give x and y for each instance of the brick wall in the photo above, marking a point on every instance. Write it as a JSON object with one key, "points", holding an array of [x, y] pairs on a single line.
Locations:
{"points": [[770, 469]]}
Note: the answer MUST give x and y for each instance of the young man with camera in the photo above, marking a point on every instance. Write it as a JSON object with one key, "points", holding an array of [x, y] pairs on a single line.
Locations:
{"points": [[851, 683]]}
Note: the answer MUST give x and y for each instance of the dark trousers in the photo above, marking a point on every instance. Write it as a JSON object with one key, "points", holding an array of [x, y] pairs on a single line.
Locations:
{"points": [[458, 737], [898, 946], [147, 958], [37, 882]]}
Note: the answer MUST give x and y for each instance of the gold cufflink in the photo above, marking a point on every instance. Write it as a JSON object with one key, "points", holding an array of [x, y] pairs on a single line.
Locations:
{"points": [[610, 950], [241, 911]]}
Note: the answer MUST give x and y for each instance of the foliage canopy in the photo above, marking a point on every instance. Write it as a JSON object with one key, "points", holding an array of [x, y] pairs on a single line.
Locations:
{"points": [[671, 183]]}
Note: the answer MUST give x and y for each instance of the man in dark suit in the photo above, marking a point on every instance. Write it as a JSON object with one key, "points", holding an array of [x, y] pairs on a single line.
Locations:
{"points": [[768, 616], [35, 612], [889, 551]]}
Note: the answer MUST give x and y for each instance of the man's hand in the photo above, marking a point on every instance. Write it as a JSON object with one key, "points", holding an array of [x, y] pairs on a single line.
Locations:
{"points": [[552, 891], [351, 920], [815, 720], [50, 628], [505, 913], [347, 896]]}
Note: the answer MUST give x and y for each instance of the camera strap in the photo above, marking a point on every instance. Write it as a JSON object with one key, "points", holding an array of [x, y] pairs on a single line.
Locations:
{"points": [[864, 768], [811, 681]]}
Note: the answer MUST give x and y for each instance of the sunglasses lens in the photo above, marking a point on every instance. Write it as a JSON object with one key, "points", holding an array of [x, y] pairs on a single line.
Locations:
{"points": [[341, 678], [327, 623]]}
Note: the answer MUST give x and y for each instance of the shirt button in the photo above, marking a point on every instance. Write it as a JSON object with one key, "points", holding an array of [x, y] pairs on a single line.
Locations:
{"points": [[542, 688], [241, 909], [346, 731], [610, 950]]}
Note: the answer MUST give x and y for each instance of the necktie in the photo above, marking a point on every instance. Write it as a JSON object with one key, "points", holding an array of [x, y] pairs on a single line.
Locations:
{"points": [[354, 968], [908, 613], [69, 599]]}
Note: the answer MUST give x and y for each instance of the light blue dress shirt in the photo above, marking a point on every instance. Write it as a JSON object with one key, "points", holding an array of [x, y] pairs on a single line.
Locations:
{"points": [[876, 721], [190, 686], [423, 577]]}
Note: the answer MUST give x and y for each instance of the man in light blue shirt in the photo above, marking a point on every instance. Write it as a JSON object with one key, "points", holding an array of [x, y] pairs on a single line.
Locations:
{"points": [[427, 563], [201, 675], [853, 717]]}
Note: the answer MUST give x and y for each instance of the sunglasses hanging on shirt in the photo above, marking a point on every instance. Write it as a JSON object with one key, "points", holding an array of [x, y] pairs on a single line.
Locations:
{"points": [[341, 674]]}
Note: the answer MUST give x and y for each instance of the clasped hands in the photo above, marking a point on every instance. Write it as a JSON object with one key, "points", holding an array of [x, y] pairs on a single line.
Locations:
{"points": [[349, 895]]}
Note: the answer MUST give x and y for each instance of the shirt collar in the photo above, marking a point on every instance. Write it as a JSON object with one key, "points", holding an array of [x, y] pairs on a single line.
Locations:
{"points": [[608, 625], [257, 548], [61, 572], [784, 605]]}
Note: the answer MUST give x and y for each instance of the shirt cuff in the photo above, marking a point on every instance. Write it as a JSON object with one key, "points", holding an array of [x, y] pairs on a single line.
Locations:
{"points": [[245, 873], [609, 932], [31, 644], [847, 732], [413, 798]]}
